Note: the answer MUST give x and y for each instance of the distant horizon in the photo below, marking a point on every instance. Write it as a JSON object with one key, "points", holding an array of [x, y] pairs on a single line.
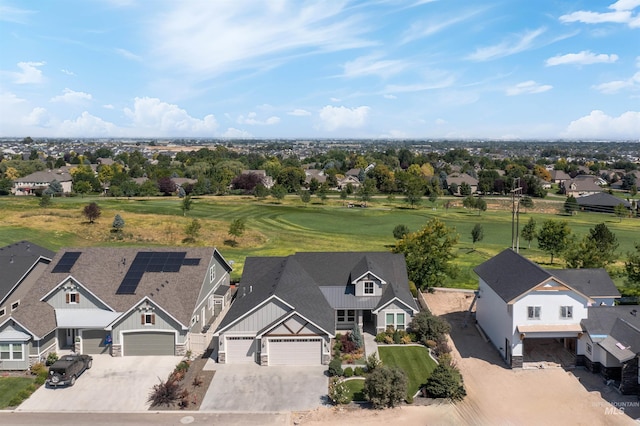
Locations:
{"points": [[343, 69]]}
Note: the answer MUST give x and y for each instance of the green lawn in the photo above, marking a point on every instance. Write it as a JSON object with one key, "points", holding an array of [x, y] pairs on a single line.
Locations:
{"points": [[355, 387], [414, 360], [288, 227], [10, 387]]}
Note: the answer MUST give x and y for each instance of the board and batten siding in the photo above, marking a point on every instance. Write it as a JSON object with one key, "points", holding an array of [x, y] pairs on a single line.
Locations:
{"points": [[492, 314], [86, 301], [393, 307], [48, 342], [133, 321], [257, 320], [220, 277]]}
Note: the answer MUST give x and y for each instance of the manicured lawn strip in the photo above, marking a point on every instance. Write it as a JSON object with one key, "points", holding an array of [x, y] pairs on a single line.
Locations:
{"points": [[414, 360], [10, 387], [355, 387]]}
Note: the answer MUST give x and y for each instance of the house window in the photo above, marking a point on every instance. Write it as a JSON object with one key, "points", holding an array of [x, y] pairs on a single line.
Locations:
{"points": [[346, 315], [566, 312], [15, 305], [3, 311], [73, 298], [148, 319], [368, 287], [212, 273], [589, 348], [11, 351], [396, 320], [533, 312]]}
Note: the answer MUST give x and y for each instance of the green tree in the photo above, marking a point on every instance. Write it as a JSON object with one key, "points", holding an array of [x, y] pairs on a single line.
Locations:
{"points": [[366, 190], [82, 187], [445, 382], [429, 254], [621, 211], [477, 234], [554, 237], [278, 192], [571, 205], [191, 230], [338, 391], [465, 189], [260, 191], [386, 387], [118, 223], [427, 326], [92, 212], [433, 197], [237, 227], [45, 201], [481, 205], [56, 187], [186, 204], [414, 190], [526, 202], [529, 231], [632, 268], [400, 231], [305, 196]]}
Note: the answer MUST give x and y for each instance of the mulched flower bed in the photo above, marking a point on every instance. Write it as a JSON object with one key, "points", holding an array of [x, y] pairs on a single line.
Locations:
{"points": [[194, 383]]}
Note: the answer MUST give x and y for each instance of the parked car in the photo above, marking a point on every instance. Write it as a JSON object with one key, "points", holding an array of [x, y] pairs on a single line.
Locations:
{"points": [[66, 370]]}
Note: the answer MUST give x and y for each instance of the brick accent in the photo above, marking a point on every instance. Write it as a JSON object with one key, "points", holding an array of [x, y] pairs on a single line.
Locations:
{"points": [[116, 350], [516, 361]]}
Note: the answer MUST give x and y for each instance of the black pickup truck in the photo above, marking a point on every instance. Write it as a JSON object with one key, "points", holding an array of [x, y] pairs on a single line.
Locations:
{"points": [[66, 370]]}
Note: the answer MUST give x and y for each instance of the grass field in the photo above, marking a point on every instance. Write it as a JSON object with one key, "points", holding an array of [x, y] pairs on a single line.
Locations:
{"points": [[355, 387], [10, 387], [414, 360], [275, 229]]}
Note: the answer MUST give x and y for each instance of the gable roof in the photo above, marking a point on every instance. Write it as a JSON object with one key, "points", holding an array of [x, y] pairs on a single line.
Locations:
{"points": [[102, 269], [47, 176], [459, 178], [600, 319], [16, 260], [510, 275], [602, 199], [313, 283], [623, 342]]}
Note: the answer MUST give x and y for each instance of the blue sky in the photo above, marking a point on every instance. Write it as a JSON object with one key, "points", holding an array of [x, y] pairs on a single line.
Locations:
{"points": [[320, 69]]}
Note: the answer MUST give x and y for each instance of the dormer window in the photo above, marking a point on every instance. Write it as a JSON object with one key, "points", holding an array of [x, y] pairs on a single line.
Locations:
{"points": [[148, 319], [368, 287], [73, 298]]}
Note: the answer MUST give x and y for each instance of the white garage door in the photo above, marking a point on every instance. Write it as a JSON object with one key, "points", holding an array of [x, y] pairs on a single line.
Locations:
{"points": [[240, 350], [149, 343], [295, 351]]}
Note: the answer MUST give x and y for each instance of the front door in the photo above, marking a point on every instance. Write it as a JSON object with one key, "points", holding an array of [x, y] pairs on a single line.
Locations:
{"points": [[71, 334]]}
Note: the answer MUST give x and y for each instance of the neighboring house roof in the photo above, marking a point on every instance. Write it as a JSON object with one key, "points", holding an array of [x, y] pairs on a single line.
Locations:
{"points": [[317, 283], [510, 275], [559, 175], [16, 261], [101, 270], [582, 185], [459, 178], [182, 181], [315, 173], [46, 176], [623, 342], [600, 319], [602, 199], [353, 172]]}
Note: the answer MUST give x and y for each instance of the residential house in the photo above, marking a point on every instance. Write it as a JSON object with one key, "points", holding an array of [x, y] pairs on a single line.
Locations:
{"points": [[521, 305], [459, 179], [287, 309], [120, 301], [601, 203], [559, 177], [21, 263], [266, 180], [39, 181], [315, 174], [581, 187], [345, 181]]}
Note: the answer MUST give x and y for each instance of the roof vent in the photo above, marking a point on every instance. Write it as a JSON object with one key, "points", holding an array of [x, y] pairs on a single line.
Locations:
{"points": [[244, 291], [634, 312], [250, 288], [11, 260]]}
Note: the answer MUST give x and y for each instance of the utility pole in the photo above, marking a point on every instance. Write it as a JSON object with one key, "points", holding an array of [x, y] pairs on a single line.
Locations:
{"points": [[516, 193]]}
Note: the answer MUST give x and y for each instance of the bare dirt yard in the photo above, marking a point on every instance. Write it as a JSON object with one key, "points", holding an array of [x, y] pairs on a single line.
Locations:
{"points": [[496, 395]]}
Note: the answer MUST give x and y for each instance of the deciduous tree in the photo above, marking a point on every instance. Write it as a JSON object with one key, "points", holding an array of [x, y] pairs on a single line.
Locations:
{"points": [[553, 237], [528, 232], [92, 212], [477, 234], [386, 387], [237, 227]]}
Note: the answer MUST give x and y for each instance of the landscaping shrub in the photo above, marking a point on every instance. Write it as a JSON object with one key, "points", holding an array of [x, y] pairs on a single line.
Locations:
{"points": [[338, 392], [348, 372], [183, 366], [348, 345], [397, 337], [413, 289], [386, 387], [356, 337], [442, 347], [358, 371], [51, 358], [335, 367], [373, 362], [428, 327], [197, 382], [446, 381], [164, 393], [406, 339], [409, 399], [380, 337]]}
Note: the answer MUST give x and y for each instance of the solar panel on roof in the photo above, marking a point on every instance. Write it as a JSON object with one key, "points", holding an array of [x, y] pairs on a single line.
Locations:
{"points": [[154, 267], [190, 262], [148, 261], [67, 261], [171, 268]]}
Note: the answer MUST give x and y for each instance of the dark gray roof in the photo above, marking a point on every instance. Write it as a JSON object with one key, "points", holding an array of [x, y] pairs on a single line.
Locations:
{"points": [[623, 342], [312, 282], [600, 319], [510, 274], [602, 199], [16, 260], [46, 176], [592, 282], [101, 269]]}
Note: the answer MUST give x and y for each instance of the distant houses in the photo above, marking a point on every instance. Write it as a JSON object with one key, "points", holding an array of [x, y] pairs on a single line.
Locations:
{"points": [[37, 182]]}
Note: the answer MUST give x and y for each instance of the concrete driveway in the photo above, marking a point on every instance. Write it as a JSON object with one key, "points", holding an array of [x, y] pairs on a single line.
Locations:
{"points": [[112, 384], [253, 388]]}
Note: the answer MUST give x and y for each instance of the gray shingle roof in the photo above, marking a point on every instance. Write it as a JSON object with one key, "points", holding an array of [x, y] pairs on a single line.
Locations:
{"points": [[600, 319], [312, 281], [16, 260], [602, 199], [47, 176], [101, 269], [510, 274]]}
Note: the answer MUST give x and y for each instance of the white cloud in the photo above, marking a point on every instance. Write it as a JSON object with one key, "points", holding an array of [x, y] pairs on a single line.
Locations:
{"points": [[87, 125], [30, 74], [152, 117], [424, 29], [599, 125], [616, 86], [236, 133], [528, 88], [67, 72], [72, 97], [37, 117], [15, 15], [389, 96], [371, 65], [440, 122], [582, 58], [394, 134], [622, 14], [334, 118], [299, 112], [127, 54], [508, 47], [252, 120], [335, 99], [108, 106]]}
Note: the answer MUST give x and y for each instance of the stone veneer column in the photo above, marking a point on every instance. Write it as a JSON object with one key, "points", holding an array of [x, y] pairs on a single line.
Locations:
{"points": [[116, 350]]}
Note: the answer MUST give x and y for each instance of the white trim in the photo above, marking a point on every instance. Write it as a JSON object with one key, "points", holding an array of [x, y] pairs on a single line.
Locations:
{"points": [[255, 308], [11, 358], [368, 273], [213, 289], [554, 278], [23, 327], [146, 330], [17, 284], [282, 319], [68, 277], [124, 315], [377, 310], [15, 305]]}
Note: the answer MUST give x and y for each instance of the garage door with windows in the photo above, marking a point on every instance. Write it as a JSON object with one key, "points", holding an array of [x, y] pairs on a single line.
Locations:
{"points": [[307, 351], [149, 343], [241, 350], [93, 342]]}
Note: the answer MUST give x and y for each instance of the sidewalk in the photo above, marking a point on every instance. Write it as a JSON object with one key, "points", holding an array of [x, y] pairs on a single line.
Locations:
{"points": [[370, 345]]}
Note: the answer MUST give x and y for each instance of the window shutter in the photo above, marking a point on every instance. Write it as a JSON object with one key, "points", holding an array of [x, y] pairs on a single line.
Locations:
{"points": [[142, 319], [153, 319], [77, 297], [68, 296]]}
